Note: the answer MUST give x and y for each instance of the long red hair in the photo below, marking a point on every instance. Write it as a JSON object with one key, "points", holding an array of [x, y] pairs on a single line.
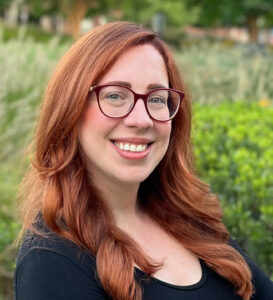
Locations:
{"points": [[57, 183]]}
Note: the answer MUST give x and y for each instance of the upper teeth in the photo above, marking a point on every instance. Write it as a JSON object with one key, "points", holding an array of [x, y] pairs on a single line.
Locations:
{"points": [[131, 147]]}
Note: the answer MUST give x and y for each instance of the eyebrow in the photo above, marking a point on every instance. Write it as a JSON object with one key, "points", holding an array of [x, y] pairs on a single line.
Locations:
{"points": [[150, 86]]}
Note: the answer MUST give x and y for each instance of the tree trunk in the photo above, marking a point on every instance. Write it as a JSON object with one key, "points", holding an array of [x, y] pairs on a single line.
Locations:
{"points": [[74, 15], [252, 28], [12, 13]]}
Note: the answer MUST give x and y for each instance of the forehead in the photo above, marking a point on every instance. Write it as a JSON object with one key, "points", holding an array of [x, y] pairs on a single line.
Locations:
{"points": [[139, 65]]}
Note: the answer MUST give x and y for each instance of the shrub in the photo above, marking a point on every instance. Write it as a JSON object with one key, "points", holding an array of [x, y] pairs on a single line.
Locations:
{"points": [[234, 153]]}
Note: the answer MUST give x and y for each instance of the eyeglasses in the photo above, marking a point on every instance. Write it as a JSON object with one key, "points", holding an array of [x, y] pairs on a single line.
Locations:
{"points": [[117, 101]]}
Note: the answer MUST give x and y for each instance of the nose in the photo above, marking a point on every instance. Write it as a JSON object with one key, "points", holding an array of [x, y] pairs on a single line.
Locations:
{"points": [[138, 117]]}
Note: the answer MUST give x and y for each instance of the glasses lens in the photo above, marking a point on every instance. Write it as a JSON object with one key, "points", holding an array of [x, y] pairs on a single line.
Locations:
{"points": [[115, 101], [163, 104]]}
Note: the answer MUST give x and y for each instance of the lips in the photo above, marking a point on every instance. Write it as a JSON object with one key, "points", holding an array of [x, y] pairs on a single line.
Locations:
{"points": [[133, 140]]}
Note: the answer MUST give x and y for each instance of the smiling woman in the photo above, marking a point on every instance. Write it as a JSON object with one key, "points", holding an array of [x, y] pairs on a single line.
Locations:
{"points": [[101, 137], [111, 197]]}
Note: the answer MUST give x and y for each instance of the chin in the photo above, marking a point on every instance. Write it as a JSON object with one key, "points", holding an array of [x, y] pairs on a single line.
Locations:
{"points": [[133, 178]]}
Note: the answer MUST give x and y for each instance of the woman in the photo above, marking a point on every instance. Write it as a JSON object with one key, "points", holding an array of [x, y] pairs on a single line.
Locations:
{"points": [[112, 207]]}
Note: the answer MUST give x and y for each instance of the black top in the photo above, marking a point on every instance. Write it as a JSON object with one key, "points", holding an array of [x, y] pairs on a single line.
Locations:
{"points": [[56, 269]]}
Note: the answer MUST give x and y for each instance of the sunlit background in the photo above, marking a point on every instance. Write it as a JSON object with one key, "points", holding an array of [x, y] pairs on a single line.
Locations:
{"points": [[224, 50]]}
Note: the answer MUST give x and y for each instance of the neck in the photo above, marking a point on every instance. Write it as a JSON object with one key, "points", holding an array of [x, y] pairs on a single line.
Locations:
{"points": [[120, 197]]}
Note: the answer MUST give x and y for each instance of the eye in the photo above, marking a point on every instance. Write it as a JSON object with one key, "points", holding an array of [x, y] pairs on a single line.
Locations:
{"points": [[157, 100], [113, 96]]}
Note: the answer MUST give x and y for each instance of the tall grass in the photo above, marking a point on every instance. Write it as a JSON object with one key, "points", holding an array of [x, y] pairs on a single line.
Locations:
{"points": [[25, 68], [215, 73]]}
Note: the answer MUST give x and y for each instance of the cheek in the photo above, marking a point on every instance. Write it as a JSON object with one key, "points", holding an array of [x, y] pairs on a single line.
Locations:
{"points": [[93, 122], [93, 125], [91, 115], [164, 131], [88, 126]]}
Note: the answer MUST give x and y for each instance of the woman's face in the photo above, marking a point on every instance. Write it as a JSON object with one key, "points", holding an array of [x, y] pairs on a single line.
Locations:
{"points": [[140, 67]]}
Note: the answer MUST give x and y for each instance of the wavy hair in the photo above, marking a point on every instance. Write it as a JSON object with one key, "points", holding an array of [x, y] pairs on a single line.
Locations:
{"points": [[57, 185]]}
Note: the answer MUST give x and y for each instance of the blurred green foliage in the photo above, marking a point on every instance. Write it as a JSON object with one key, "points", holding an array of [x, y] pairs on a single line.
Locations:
{"points": [[214, 12], [223, 71], [29, 32], [26, 64], [234, 153], [233, 140]]}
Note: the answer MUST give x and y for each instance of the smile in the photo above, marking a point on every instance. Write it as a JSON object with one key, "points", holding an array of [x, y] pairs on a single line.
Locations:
{"points": [[131, 147]]}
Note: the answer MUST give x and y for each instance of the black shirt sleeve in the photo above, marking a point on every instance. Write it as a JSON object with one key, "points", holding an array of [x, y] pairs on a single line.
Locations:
{"points": [[263, 286], [46, 275]]}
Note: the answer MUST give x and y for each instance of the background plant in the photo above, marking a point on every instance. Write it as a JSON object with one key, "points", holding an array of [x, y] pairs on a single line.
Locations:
{"points": [[233, 148], [25, 67], [215, 72]]}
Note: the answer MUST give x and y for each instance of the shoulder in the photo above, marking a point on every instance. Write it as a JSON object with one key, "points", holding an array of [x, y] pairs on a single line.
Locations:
{"points": [[57, 246], [263, 286], [55, 268]]}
